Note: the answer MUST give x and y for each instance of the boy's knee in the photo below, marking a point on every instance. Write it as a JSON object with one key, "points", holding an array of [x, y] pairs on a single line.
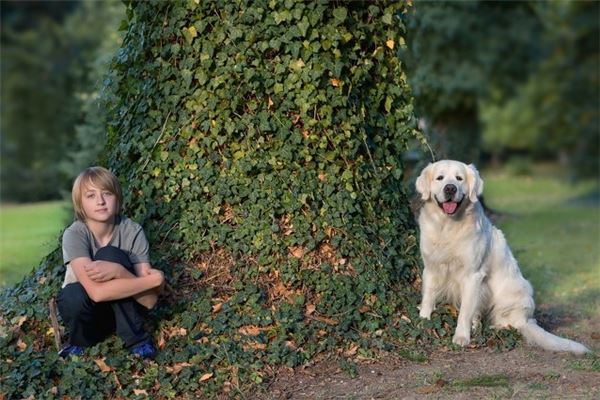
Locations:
{"points": [[73, 299], [113, 254]]}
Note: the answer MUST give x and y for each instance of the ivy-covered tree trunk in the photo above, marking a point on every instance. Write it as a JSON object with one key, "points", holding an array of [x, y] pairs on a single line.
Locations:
{"points": [[270, 134], [259, 144]]}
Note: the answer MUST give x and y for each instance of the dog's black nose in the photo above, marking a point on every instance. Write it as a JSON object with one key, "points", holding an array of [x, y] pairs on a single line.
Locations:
{"points": [[449, 191]]}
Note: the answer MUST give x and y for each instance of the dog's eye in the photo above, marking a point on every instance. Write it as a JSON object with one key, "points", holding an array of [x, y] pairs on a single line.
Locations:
{"points": [[439, 178], [459, 178]]}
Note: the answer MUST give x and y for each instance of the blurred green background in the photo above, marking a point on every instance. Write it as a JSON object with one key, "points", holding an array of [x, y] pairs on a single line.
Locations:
{"points": [[509, 86]]}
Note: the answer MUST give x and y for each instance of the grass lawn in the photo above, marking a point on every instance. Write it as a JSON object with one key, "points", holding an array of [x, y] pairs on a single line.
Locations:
{"points": [[27, 233], [553, 229]]}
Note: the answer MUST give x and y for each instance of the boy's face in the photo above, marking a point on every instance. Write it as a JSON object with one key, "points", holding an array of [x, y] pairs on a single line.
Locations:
{"points": [[99, 205]]}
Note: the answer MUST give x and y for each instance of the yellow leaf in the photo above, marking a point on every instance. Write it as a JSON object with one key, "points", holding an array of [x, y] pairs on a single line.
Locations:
{"points": [[192, 30], [335, 82], [297, 65], [206, 377], [390, 43], [50, 332]]}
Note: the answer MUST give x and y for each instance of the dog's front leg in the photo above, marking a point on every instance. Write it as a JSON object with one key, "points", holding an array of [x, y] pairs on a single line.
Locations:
{"points": [[429, 291], [469, 306]]}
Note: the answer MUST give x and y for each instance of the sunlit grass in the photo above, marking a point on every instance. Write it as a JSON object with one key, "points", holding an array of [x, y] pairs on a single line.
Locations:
{"points": [[553, 228], [28, 233]]}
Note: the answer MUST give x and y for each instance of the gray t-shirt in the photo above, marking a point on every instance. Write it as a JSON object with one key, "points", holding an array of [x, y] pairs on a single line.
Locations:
{"points": [[78, 241]]}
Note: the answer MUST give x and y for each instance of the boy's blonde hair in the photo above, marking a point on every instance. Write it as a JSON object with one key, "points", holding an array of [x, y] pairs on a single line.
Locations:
{"points": [[94, 176]]}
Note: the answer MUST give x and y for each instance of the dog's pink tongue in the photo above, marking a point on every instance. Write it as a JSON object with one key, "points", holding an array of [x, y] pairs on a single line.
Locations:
{"points": [[449, 207]]}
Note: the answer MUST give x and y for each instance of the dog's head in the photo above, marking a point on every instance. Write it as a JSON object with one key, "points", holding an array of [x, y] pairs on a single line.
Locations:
{"points": [[451, 184]]}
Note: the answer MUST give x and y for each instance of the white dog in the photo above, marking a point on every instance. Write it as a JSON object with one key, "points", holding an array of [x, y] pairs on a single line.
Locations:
{"points": [[468, 262]]}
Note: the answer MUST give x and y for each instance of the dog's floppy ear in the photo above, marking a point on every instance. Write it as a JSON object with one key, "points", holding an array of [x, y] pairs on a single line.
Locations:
{"points": [[423, 182], [475, 183]]}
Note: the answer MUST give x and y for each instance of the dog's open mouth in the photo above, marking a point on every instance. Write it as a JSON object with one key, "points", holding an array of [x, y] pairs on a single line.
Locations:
{"points": [[450, 207]]}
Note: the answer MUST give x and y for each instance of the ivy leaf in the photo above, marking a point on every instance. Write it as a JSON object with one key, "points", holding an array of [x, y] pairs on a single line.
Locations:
{"points": [[340, 14], [387, 19], [189, 34]]}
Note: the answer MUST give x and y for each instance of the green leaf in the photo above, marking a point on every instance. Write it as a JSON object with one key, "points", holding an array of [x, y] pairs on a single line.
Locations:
{"points": [[340, 14]]}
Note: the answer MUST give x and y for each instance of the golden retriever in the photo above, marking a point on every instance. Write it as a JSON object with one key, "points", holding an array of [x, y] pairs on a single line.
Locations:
{"points": [[468, 262]]}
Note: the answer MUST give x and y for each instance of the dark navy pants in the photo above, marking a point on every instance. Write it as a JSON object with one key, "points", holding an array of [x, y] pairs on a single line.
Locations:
{"points": [[89, 322]]}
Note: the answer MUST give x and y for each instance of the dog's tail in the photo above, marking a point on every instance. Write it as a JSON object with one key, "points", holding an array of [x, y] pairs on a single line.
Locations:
{"points": [[534, 334]]}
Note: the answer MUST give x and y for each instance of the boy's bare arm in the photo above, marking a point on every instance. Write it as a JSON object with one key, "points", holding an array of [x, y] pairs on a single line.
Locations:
{"points": [[148, 298], [102, 271], [114, 289]]}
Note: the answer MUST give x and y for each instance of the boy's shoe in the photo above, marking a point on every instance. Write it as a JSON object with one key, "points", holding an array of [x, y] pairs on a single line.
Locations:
{"points": [[71, 350], [144, 349]]}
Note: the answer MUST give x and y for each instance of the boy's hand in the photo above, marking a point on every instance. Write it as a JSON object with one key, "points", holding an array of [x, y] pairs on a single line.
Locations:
{"points": [[102, 272], [158, 275]]}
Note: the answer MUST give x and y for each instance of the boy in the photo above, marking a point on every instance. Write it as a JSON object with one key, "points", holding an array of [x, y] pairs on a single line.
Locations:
{"points": [[109, 279]]}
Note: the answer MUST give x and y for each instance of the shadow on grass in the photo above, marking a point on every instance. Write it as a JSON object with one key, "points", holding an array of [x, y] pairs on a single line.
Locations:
{"points": [[553, 316], [592, 198]]}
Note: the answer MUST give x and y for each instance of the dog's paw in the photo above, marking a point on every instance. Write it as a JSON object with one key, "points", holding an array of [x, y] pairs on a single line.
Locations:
{"points": [[461, 340], [425, 313]]}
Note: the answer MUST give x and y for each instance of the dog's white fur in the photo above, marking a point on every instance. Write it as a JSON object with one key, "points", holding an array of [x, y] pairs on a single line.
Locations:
{"points": [[468, 262]]}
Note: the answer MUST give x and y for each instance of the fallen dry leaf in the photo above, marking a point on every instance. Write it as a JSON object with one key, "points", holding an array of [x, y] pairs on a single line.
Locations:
{"points": [[250, 330], [19, 320], [428, 389], [176, 368], [140, 391], [351, 351], [255, 345], [206, 377], [328, 321], [102, 364], [217, 307], [297, 251], [21, 345]]}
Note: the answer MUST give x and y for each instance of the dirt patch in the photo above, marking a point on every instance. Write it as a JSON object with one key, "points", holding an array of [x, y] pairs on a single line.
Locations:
{"points": [[525, 372]]}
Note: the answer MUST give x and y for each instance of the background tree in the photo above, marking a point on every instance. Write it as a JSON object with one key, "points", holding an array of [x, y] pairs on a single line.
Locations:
{"points": [[461, 53], [556, 112], [53, 59], [259, 144]]}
